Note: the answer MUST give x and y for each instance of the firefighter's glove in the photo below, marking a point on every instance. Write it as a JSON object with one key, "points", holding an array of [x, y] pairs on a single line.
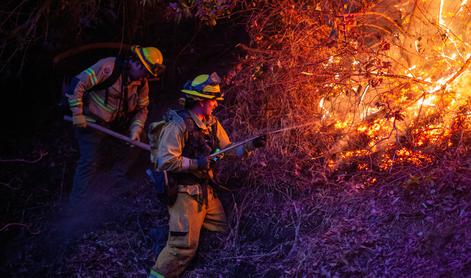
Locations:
{"points": [[260, 141], [79, 120], [204, 163], [136, 133]]}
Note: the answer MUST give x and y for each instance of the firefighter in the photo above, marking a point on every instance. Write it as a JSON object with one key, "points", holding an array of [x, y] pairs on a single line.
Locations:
{"points": [[113, 93], [185, 143]]}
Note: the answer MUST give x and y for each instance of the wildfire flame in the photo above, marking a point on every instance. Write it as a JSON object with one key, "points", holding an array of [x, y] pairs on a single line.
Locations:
{"points": [[430, 58]]}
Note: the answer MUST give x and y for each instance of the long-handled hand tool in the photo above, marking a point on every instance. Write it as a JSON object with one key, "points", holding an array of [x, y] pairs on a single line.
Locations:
{"points": [[146, 147], [114, 134]]}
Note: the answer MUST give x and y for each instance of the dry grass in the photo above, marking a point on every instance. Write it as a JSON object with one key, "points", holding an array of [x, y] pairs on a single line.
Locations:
{"points": [[379, 184]]}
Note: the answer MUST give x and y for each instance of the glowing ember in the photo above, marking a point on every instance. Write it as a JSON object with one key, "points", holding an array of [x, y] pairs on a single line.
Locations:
{"points": [[420, 107], [404, 156]]}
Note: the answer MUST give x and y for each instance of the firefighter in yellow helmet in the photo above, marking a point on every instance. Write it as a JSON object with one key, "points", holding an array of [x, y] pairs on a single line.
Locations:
{"points": [[186, 141], [113, 93]]}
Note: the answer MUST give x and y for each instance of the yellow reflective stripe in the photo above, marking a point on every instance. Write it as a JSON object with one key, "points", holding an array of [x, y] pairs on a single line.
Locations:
{"points": [[200, 79], [138, 122], [198, 94], [98, 100], [155, 274], [143, 102], [91, 74], [212, 89], [74, 102]]}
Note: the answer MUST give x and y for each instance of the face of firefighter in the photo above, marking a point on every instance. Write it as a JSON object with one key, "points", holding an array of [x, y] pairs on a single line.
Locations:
{"points": [[137, 71], [208, 106]]}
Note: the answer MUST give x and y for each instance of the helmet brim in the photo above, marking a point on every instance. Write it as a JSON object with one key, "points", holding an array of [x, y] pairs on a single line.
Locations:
{"points": [[201, 95]]}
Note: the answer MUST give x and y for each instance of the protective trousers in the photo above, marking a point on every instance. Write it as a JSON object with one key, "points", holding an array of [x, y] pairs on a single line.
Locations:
{"points": [[186, 219], [90, 143]]}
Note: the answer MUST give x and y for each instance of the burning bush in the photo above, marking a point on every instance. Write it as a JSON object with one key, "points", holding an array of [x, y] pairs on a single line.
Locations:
{"points": [[379, 83]]}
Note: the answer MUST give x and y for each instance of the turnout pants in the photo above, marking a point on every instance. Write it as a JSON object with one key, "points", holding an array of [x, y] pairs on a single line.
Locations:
{"points": [[90, 143], [187, 217]]}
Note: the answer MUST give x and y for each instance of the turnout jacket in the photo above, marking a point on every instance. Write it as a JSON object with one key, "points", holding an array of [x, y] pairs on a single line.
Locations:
{"points": [[93, 103], [173, 154]]}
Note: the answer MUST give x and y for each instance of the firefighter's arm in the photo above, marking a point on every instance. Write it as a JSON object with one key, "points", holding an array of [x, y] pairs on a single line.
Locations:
{"points": [[85, 81], [224, 142], [139, 119], [169, 154]]}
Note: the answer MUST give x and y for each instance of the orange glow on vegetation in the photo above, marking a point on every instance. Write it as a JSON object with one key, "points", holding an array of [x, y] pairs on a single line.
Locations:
{"points": [[388, 82], [432, 134], [404, 156], [430, 91]]}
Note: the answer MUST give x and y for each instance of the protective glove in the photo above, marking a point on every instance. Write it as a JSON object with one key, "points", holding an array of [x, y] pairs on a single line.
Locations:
{"points": [[203, 162], [260, 141], [136, 133], [79, 120]]}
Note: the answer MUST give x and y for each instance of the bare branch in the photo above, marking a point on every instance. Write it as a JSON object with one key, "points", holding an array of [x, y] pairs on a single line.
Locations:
{"points": [[27, 226], [22, 160]]}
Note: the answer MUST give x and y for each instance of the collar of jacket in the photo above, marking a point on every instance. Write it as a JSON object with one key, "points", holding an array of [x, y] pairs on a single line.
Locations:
{"points": [[204, 125]]}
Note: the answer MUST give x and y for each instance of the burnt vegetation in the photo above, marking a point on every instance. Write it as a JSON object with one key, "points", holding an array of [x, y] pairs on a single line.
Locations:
{"points": [[375, 181]]}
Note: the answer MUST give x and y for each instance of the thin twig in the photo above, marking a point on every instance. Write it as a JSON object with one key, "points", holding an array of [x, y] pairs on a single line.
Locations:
{"points": [[27, 226], [8, 184], [21, 160]]}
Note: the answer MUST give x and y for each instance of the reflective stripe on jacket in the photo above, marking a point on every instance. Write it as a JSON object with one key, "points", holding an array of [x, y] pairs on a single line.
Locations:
{"points": [[95, 106]]}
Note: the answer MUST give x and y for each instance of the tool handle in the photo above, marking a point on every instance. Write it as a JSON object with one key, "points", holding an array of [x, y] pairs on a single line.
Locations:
{"points": [[233, 146], [114, 134]]}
